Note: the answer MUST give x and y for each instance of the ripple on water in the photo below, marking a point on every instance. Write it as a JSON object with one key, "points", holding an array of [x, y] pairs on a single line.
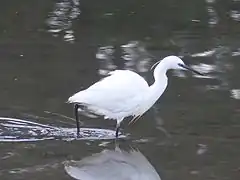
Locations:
{"points": [[18, 130]]}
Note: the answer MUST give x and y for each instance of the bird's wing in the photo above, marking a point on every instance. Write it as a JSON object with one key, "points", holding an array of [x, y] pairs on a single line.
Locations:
{"points": [[122, 91]]}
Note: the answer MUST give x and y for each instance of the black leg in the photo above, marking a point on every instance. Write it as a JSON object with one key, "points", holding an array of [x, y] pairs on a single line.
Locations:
{"points": [[117, 130], [76, 106]]}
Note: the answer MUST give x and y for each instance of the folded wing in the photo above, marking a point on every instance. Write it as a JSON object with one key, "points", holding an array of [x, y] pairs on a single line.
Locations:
{"points": [[116, 95]]}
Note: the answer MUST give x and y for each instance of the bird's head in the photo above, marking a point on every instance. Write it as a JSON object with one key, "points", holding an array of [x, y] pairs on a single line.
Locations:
{"points": [[174, 62]]}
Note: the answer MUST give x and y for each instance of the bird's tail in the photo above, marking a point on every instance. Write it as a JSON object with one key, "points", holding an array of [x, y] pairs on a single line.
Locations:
{"points": [[70, 100]]}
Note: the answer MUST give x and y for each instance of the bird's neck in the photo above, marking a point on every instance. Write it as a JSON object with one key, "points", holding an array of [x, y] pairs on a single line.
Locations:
{"points": [[161, 69], [156, 90], [160, 84], [160, 77]]}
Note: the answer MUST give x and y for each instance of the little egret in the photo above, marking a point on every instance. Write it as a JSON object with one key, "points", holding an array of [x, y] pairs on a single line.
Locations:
{"points": [[124, 93]]}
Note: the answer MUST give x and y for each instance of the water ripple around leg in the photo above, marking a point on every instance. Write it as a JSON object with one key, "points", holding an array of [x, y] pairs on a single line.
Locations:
{"points": [[18, 130]]}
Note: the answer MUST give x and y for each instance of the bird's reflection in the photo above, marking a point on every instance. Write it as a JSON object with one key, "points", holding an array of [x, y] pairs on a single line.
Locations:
{"points": [[115, 164]]}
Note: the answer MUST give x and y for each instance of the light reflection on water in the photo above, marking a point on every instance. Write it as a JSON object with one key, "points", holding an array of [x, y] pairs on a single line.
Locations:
{"points": [[215, 64], [134, 56], [213, 13], [105, 55], [235, 93], [61, 18], [213, 16]]}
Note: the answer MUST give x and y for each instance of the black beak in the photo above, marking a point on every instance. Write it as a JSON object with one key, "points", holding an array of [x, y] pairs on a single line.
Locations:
{"points": [[190, 69]]}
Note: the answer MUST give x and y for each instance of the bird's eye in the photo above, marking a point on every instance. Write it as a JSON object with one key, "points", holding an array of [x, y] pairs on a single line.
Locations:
{"points": [[181, 65]]}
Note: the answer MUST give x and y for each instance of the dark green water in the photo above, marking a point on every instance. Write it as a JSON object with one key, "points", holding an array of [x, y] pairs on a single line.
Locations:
{"points": [[51, 49]]}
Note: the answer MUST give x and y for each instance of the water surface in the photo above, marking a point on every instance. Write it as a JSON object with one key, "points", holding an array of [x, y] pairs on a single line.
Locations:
{"points": [[51, 49]]}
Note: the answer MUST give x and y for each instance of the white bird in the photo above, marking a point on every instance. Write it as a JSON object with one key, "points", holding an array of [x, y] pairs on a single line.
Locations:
{"points": [[113, 164], [124, 93]]}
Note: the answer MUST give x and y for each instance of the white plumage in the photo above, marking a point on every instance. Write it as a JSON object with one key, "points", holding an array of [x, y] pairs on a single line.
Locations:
{"points": [[115, 96], [125, 93]]}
